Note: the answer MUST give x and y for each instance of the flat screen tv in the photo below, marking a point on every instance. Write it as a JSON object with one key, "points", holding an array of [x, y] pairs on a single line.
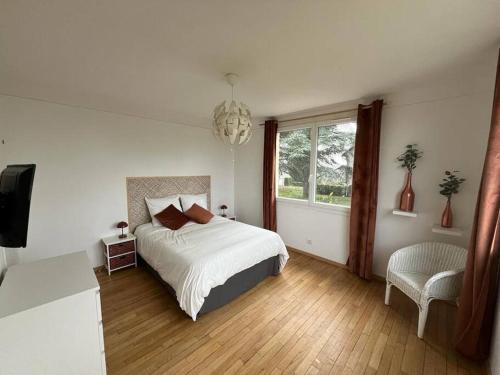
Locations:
{"points": [[16, 182]]}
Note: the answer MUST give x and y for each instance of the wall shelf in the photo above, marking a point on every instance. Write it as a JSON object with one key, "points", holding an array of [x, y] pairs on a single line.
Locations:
{"points": [[405, 213], [457, 232]]}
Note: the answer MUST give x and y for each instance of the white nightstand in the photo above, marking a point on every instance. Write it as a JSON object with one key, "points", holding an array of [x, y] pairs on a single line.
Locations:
{"points": [[233, 218], [120, 252]]}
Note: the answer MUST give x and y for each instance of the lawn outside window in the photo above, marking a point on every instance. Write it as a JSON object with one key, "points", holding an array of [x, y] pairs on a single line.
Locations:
{"points": [[315, 162]]}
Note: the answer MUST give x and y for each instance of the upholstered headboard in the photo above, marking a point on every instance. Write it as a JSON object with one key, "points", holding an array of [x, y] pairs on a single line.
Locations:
{"points": [[139, 188]]}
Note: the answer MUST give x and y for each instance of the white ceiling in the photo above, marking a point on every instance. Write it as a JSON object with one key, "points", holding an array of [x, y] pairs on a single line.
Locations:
{"points": [[166, 59]]}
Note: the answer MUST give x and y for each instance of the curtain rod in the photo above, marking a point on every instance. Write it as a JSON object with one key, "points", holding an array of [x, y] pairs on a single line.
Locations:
{"points": [[321, 115]]}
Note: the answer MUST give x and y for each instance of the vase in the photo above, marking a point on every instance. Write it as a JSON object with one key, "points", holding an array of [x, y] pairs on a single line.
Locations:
{"points": [[447, 218], [407, 195]]}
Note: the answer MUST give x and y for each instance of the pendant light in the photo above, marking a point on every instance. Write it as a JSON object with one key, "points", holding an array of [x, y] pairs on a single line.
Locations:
{"points": [[231, 119]]}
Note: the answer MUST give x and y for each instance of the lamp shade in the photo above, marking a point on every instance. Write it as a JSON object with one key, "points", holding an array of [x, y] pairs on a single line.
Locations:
{"points": [[232, 122], [223, 207], [231, 119], [122, 224]]}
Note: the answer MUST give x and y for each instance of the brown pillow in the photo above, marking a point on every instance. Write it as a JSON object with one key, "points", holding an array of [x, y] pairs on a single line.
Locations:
{"points": [[172, 218], [199, 214]]}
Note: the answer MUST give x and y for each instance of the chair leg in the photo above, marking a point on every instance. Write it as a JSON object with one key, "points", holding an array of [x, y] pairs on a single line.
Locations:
{"points": [[388, 293], [422, 318]]}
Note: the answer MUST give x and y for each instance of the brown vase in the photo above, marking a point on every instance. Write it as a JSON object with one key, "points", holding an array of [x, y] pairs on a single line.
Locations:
{"points": [[407, 195], [447, 218]]}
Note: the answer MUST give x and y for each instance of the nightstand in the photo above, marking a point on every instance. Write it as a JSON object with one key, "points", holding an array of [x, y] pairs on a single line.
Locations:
{"points": [[233, 218], [119, 252]]}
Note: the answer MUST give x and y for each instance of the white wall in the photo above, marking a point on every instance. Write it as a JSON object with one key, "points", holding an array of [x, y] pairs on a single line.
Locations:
{"points": [[248, 179], [83, 157], [453, 133], [449, 119]]}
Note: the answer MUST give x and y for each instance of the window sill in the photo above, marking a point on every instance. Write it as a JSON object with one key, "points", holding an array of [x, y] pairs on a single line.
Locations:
{"points": [[324, 207]]}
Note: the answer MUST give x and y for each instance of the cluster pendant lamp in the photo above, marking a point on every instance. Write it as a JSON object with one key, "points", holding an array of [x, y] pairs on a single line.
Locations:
{"points": [[231, 119]]}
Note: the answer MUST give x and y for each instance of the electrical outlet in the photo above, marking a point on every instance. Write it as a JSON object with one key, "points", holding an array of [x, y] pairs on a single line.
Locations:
{"points": [[309, 242]]}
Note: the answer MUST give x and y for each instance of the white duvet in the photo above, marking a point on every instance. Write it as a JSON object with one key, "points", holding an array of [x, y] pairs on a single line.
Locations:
{"points": [[199, 257]]}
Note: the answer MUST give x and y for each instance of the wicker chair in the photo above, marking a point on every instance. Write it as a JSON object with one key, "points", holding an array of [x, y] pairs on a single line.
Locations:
{"points": [[425, 272]]}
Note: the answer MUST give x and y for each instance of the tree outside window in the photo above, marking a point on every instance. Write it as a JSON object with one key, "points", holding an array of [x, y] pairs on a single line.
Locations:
{"points": [[294, 163], [335, 156], [334, 148]]}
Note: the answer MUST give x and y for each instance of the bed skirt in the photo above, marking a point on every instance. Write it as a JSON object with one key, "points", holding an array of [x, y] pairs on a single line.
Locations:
{"points": [[233, 287]]}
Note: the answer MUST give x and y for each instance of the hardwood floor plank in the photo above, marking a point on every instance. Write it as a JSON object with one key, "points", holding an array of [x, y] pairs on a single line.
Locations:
{"points": [[314, 318]]}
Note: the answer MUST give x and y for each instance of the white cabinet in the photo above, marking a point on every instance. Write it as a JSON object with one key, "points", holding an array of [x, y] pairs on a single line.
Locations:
{"points": [[50, 318]]}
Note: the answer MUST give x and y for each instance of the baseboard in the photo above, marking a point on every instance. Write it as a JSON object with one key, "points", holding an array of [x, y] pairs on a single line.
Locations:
{"points": [[379, 278], [290, 248], [100, 269], [332, 262], [317, 257]]}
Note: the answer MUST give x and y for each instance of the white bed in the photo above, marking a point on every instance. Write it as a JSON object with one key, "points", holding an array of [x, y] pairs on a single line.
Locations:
{"points": [[199, 257]]}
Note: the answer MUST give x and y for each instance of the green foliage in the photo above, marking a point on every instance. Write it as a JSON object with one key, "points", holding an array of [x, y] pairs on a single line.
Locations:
{"points": [[338, 190], [296, 192], [334, 157], [451, 183], [295, 156], [333, 199], [409, 158], [289, 182]]}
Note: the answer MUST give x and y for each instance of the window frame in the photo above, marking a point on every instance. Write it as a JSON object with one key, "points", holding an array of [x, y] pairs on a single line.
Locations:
{"points": [[314, 126]]}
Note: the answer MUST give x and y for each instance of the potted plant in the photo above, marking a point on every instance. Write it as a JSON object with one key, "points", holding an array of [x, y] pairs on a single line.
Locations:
{"points": [[408, 160], [450, 185]]}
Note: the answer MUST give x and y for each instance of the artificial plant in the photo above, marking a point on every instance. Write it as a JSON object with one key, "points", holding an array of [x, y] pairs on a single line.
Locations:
{"points": [[408, 159], [451, 184]]}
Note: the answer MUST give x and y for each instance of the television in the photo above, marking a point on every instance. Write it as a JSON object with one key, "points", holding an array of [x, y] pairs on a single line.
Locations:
{"points": [[16, 182]]}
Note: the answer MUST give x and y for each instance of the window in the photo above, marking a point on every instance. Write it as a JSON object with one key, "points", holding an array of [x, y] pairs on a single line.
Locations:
{"points": [[334, 161], [316, 161], [294, 163]]}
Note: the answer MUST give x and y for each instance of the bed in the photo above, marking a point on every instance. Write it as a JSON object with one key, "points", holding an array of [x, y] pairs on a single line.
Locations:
{"points": [[203, 265]]}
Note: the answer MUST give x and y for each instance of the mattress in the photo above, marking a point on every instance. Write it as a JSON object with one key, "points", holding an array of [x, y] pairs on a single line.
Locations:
{"points": [[199, 257]]}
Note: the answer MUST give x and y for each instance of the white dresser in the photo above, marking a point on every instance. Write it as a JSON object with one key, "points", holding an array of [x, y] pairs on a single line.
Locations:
{"points": [[50, 318]]}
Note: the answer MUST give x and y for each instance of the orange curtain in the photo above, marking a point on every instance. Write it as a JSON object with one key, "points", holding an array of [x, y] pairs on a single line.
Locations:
{"points": [[479, 293], [269, 178], [364, 190]]}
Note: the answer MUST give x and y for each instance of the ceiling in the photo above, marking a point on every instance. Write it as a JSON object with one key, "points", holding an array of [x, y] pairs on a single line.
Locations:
{"points": [[165, 60]]}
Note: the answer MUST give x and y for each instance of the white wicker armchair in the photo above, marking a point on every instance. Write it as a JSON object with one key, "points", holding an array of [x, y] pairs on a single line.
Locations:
{"points": [[425, 272]]}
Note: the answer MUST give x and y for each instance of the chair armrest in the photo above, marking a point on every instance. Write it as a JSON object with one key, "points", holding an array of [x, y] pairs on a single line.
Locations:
{"points": [[444, 285]]}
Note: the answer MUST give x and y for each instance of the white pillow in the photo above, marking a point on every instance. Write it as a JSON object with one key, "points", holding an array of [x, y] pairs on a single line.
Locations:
{"points": [[188, 200], [157, 205]]}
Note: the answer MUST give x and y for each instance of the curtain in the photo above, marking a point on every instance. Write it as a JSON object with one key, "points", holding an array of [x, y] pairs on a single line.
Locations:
{"points": [[479, 292], [364, 190], [269, 178]]}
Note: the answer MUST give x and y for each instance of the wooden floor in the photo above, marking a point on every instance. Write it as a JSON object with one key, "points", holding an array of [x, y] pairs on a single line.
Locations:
{"points": [[314, 318]]}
